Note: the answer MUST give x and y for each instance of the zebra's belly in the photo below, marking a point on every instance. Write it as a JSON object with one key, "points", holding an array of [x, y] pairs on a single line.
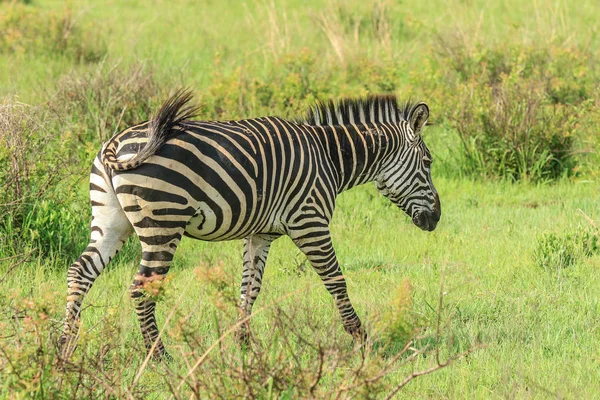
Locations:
{"points": [[208, 225]]}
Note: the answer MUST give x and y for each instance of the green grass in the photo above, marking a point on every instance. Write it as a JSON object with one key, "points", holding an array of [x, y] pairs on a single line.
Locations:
{"points": [[533, 322], [538, 326]]}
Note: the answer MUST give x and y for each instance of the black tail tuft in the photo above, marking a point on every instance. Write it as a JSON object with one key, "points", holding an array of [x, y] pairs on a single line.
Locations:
{"points": [[165, 125]]}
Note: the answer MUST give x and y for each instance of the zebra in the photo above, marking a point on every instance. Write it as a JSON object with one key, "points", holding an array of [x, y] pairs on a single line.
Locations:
{"points": [[253, 179]]}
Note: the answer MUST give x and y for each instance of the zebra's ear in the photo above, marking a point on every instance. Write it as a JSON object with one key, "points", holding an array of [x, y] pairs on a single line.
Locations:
{"points": [[418, 117]]}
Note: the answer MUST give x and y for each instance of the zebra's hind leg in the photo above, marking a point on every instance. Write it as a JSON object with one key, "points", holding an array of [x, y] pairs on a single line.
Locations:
{"points": [[110, 229], [256, 250], [318, 248], [157, 255]]}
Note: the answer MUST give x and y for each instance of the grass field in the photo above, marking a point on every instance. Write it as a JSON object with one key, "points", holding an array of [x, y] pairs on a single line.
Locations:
{"points": [[517, 248]]}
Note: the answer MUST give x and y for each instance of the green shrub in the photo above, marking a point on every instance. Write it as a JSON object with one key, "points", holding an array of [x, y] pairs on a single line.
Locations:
{"points": [[54, 227], [293, 81], [514, 131], [39, 208], [31, 365], [518, 110], [558, 251], [209, 362], [566, 73], [25, 29], [45, 154]]}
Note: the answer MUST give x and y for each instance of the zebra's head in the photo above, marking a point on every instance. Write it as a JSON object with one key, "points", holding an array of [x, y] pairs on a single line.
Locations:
{"points": [[405, 178]]}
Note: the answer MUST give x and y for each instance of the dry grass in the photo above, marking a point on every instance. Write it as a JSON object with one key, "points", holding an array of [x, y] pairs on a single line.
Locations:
{"points": [[296, 358], [347, 30], [106, 98]]}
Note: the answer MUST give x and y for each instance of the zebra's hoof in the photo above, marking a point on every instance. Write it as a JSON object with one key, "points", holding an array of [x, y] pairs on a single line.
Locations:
{"points": [[358, 334], [66, 345], [162, 356], [167, 358], [242, 336]]}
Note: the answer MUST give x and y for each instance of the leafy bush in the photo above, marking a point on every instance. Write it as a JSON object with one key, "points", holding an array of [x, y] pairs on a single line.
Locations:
{"points": [[25, 29], [292, 81], [518, 110], [38, 208], [31, 364], [566, 73], [514, 131], [45, 153], [558, 251]]}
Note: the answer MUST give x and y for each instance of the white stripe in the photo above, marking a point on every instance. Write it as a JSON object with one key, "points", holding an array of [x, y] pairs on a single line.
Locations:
{"points": [[338, 114], [387, 111]]}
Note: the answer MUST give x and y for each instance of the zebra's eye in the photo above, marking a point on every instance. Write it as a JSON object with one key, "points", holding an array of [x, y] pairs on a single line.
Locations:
{"points": [[427, 162]]}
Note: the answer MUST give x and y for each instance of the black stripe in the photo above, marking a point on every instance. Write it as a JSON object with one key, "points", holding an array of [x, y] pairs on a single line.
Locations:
{"points": [[149, 194], [148, 222], [96, 171], [91, 249], [174, 211], [93, 186], [159, 239], [157, 256]]}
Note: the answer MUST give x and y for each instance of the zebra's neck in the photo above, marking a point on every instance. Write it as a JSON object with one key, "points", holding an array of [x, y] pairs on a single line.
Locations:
{"points": [[359, 151]]}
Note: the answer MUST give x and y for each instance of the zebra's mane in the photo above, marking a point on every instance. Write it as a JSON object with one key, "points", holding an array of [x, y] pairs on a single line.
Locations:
{"points": [[373, 109]]}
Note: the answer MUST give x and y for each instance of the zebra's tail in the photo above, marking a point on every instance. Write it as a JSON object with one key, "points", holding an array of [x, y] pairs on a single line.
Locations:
{"points": [[161, 128]]}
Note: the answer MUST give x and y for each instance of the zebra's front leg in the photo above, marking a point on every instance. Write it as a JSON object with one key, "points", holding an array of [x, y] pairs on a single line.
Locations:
{"points": [[157, 255], [319, 250], [256, 250]]}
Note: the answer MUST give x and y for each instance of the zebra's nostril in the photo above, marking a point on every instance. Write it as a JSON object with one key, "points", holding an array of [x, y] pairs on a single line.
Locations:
{"points": [[427, 220], [422, 220]]}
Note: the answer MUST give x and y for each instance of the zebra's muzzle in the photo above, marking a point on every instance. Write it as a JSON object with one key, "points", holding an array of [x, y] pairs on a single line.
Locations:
{"points": [[427, 220], [424, 221]]}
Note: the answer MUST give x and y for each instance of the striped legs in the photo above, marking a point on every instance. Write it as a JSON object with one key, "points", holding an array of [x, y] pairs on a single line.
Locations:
{"points": [[157, 255], [110, 229], [81, 277], [256, 249], [320, 253]]}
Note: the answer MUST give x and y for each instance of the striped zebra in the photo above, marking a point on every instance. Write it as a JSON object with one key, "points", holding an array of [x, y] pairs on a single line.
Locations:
{"points": [[256, 179]]}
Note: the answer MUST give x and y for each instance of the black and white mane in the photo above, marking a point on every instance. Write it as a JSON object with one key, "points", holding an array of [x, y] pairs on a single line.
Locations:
{"points": [[371, 109]]}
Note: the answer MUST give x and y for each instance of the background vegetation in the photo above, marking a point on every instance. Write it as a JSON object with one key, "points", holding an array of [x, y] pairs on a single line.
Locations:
{"points": [[513, 92]]}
